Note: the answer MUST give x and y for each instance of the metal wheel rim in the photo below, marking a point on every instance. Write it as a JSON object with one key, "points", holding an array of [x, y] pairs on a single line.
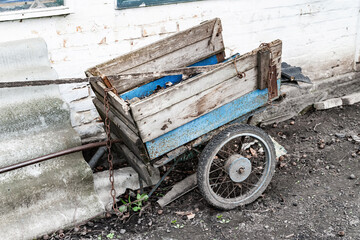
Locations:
{"points": [[265, 174]]}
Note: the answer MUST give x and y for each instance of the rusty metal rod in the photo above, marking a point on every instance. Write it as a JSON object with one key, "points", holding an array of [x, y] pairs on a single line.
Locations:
{"points": [[54, 155]]}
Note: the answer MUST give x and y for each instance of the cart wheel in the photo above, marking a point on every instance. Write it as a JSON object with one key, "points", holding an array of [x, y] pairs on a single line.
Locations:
{"points": [[236, 166]]}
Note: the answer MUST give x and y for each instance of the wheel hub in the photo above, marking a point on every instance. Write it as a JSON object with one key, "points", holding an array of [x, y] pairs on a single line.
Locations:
{"points": [[238, 167]]}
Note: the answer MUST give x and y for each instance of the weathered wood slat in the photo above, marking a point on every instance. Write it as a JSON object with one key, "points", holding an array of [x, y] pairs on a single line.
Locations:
{"points": [[162, 100], [196, 106], [128, 124], [123, 132], [181, 58], [118, 103], [263, 59], [155, 50], [210, 121], [135, 163]]}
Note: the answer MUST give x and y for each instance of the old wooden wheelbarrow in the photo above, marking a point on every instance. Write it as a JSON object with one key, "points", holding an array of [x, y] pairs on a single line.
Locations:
{"points": [[180, 92]]}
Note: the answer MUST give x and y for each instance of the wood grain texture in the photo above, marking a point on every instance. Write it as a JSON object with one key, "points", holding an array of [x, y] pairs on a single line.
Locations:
{"points": [[156, 50], [180, 58], [263, 59], [124, 133], [204, 124], [192, 86], [135, 162], [194, 97], [196, 106], [119, 104]]}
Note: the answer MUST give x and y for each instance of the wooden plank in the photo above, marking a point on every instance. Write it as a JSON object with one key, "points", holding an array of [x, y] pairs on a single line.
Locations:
{"points": [[210, 121], [263, 59], [123, 132], [181, 58], [168, 97], [147, 89], [156, 50], [135, 163], [196, 106], [128, 124], [119, 104]]}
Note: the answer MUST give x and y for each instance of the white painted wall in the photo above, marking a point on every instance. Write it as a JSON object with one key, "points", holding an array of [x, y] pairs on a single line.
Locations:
{"points": [[320, 36]]}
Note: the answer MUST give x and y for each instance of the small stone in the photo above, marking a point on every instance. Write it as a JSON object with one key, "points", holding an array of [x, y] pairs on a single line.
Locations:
{"points": [[168, 230], [45, 237], [274, 125], [340, 135], [341, 233], [76, 229], [304, 156], [352, 176], [292, 122], [295, 204], [322, 146], [327, 167], [122, 231], [266, 226], [332, 166], [293, 163], [197, 209], [90, 224], [353, 155], [281, 158], [160, 211]]}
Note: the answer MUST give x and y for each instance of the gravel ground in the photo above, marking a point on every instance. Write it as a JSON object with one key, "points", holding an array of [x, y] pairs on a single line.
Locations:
{"points": [[313, 195]]}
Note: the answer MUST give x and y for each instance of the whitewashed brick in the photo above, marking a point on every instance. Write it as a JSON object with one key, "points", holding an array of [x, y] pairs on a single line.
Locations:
{"points": [[82, 105], [327, 104], [76, 94]]}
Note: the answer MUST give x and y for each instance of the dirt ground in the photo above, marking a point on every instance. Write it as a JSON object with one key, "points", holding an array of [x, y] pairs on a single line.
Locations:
{"points": [[314, 193]]}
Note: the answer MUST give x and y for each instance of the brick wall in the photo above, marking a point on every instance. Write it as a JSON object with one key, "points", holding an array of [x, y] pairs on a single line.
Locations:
{"points": [[320, 36]]}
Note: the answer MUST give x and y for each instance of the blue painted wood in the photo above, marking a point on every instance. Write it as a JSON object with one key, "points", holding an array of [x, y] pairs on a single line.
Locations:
{"points": [[123, 4], [14, 5], [149, 88], [207, 122]]}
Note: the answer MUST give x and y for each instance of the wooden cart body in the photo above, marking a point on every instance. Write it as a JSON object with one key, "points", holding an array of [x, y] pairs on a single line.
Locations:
{"points": [[159, 125]]}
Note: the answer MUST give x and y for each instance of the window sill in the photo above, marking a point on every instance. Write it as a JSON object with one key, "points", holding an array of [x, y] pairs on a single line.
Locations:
{"points": [[34, 13]]}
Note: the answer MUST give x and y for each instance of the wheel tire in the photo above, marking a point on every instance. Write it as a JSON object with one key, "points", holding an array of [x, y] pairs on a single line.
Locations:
{"points": [[212, 150]]}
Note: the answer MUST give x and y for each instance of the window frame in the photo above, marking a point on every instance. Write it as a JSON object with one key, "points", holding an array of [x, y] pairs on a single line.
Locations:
{"points": [[37, 12], [137, 3]]}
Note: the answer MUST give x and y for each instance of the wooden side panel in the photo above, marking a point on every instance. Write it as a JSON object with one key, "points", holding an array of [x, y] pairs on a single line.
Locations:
{"points": [[164, 111], [181, 58], [123, 132], [196, 106], [208, 122], [164, 99], [179, 50], [119, 104], [149, 88]]}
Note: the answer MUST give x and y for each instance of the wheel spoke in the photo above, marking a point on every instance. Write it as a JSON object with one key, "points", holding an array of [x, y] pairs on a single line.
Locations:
{"points": [[231, 192]]}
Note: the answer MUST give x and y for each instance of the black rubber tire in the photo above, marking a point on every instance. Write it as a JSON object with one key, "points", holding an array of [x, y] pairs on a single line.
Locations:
{"points": [[210, 151]]}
